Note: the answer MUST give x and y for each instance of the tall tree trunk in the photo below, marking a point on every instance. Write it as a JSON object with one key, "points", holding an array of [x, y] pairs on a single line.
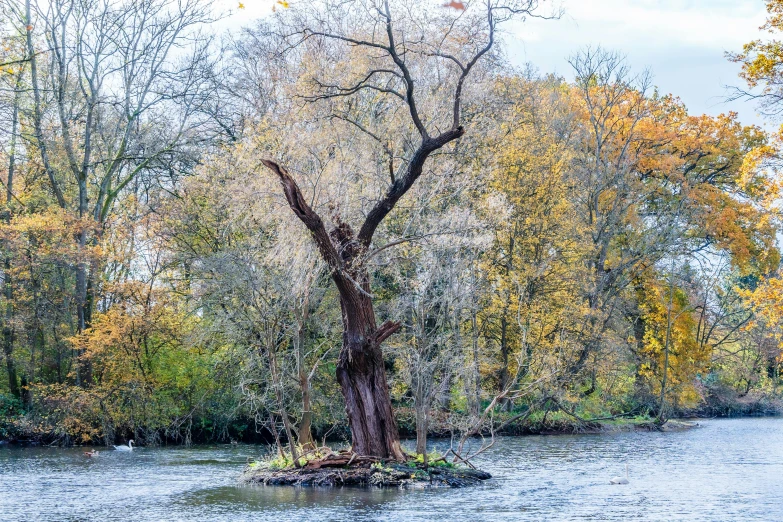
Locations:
{"points": [[305, 425], [422, 426], [422, 422], [362, 377], [83, 371], [8, 332], [37, 110], [84, 367]]}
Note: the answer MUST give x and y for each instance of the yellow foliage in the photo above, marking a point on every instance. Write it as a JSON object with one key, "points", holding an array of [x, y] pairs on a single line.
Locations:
{"points": [[671, 328]]}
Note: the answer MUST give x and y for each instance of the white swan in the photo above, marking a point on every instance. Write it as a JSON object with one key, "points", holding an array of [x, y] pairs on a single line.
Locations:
{"points": [[619, 479], [129, 447]]}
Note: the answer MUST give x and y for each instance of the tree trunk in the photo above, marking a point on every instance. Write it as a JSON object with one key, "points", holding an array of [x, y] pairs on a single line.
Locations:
{"points": [[37, 111], [305, 426], [362, 378], [83, 366], [422, 426], [8, 332]]}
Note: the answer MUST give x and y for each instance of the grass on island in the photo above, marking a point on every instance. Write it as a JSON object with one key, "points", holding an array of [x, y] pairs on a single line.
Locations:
{"points": [[279, 462]]}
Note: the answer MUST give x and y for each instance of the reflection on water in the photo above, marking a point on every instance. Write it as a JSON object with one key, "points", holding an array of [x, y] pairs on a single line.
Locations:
{"points": [[727, 470], [281, 500]]}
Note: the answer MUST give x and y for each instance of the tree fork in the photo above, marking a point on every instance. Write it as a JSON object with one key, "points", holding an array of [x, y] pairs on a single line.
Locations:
{"points": [[360, 369]]}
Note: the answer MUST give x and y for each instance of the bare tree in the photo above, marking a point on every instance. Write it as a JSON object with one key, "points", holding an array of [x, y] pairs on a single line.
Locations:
{"points": [[397, 44], [432, 354]]}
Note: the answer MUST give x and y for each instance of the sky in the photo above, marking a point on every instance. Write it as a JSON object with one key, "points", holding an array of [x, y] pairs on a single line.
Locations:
{"points": [[681, 42]]}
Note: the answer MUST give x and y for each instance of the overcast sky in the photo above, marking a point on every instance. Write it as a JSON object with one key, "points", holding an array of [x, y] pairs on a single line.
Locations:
{"points": [[682, 42]]}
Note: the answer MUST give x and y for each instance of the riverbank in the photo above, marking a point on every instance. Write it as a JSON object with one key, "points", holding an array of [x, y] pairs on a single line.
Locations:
{"points": [[559, 423], [36, 427], [554, 426], [719, 404]]}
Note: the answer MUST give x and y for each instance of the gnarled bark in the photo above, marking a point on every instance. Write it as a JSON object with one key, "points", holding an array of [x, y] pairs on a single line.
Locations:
{"points": [[362, 379]]}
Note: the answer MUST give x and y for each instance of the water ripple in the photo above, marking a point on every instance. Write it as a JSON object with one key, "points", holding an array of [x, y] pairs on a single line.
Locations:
{"points": [[727, 470]]}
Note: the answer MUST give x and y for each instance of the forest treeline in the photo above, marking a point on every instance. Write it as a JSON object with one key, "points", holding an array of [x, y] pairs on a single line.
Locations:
{"points": [[588, 250]]}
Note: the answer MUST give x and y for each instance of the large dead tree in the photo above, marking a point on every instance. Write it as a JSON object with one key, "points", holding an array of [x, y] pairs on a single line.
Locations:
{"points": [[393, 40]]}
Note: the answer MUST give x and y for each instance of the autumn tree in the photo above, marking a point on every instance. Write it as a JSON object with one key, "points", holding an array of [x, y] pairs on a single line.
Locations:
{"points": [[116, 98], [533, 262], [762, 64], [658, 182]]}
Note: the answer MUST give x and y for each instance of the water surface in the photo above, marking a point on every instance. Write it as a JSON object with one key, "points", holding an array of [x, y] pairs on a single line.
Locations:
{"points": [[725, 470]]}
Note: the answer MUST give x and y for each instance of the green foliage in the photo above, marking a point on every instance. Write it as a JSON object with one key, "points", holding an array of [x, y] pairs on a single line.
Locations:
{"points": [[434, 459], [10, 409]]}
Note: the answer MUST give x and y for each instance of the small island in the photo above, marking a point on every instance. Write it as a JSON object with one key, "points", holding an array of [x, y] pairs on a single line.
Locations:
{"points": [[345, 468]]}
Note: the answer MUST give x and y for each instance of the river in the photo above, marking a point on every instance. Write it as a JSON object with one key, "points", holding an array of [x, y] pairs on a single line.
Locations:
{"points": [[725, 470]]}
